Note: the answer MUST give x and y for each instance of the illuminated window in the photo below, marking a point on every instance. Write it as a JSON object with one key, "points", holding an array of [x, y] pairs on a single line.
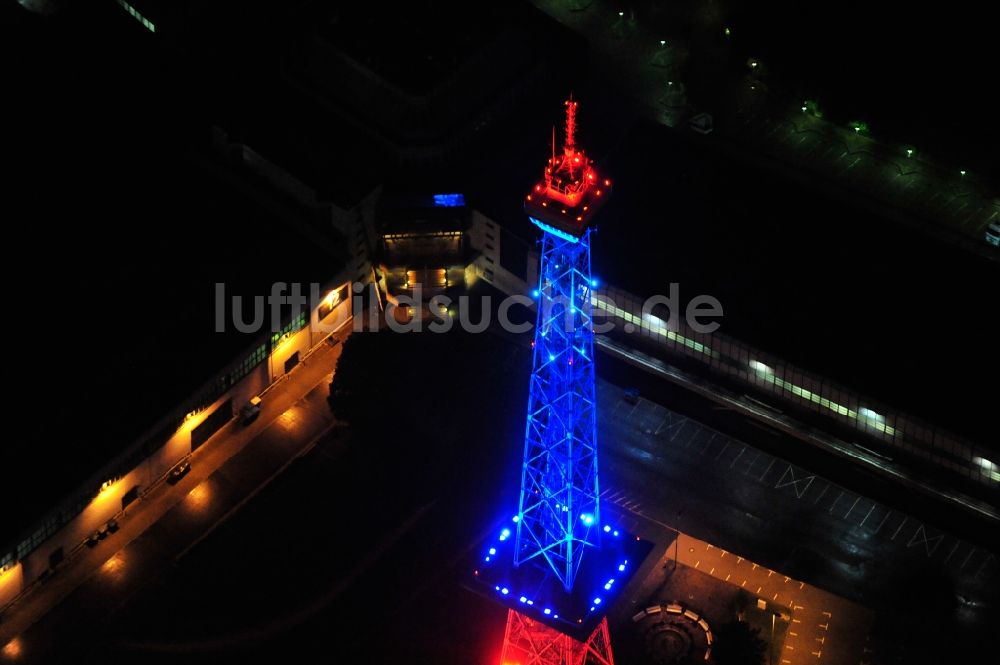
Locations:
{"points": [[449, 200], [251, 361], [137, 16], [293, 326]]}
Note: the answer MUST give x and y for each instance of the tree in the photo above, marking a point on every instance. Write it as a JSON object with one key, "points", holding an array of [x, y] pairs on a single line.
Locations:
{"points": [[736, 643]]}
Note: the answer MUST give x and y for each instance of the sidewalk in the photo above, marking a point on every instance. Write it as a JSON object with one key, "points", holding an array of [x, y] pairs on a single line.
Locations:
{"points": [[824, 627], [280, 408]]}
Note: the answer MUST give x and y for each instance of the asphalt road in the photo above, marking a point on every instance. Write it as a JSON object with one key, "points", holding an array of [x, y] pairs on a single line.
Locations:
{"points": [[344, 555], [741, 498]]}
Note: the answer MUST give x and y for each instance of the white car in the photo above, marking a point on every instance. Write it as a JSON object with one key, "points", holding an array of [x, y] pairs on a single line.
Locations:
{"points": [[993, 234]]}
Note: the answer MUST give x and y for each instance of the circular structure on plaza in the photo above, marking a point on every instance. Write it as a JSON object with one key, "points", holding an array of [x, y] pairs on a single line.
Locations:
{"points": [[673, 635]]}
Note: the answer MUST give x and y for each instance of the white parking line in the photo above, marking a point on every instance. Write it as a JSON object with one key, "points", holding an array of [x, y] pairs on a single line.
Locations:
{"points": [[832, 505], [868, 515], [983, 565], [880, 524], [852, 507], [761, 479], [899, 528], [722, 451]]}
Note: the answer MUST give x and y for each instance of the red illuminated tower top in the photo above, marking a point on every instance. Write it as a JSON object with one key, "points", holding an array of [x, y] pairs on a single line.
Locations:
{"points": [[571, 191]]}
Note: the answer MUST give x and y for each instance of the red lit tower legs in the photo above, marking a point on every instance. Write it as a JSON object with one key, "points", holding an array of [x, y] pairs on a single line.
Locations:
{"points": [[530, 642]]}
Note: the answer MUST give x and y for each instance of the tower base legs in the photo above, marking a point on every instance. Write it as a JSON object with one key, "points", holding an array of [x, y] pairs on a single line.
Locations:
{"points": [[530, 642]]}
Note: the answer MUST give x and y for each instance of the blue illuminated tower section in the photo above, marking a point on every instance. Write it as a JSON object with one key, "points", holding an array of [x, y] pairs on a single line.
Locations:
{"points": [[559, 514], [555, 565], [559, 517]]}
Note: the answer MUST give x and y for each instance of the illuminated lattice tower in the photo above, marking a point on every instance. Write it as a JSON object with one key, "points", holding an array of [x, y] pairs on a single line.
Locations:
{"points": [[556, 565], [559, 516]]}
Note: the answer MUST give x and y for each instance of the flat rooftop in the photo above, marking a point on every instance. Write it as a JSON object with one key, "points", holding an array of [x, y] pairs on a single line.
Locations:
{"points": [[412, 45]]}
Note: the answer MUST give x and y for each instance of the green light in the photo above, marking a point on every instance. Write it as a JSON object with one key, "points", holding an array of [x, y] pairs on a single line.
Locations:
{"points": [[909, 152], [859, 127], [804, 109], [962, 173], [663, 42], [728, 32], [620, 14], [137, 16]]}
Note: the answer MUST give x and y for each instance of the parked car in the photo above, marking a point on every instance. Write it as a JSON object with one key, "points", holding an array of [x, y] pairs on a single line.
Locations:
{"points": [[993, 234], [250, 411], [178, 472]]}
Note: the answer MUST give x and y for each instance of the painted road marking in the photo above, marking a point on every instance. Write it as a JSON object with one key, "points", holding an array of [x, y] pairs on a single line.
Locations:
{"points": [[983, 565], [868, 515], [799, 490], [899, 528], [925, 541], [852, 507], [832, 505], [879, 527]]}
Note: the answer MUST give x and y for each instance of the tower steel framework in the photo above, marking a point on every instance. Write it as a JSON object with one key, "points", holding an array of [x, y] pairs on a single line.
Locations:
{"points": [[559, 520]]}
